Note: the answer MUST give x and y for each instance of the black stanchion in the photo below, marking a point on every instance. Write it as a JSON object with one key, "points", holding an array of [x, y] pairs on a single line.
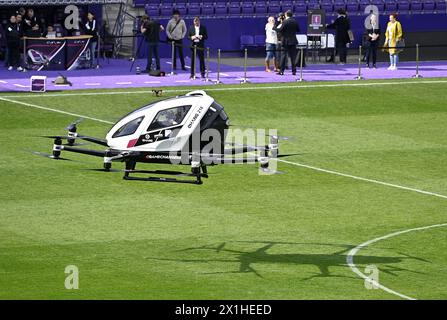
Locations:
{"points": [[417, 75], [218, 67], [207, 76], [301, 65], [194, 62], [244, 80], [136, 55], [359, 75], [172, 58], [98, 53]]}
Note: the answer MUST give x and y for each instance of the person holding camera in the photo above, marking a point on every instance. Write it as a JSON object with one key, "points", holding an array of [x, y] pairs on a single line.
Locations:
{"points": [[151, 29], [198, 34], [176, 31], [342, 25], [288, 29], [279, 52]]}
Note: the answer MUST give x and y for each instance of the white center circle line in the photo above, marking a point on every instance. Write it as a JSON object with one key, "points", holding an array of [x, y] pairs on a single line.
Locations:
{"points": [[353, 252]]}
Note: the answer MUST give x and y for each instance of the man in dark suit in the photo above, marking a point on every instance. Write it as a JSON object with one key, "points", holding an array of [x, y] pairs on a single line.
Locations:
{"points": [[288, 29], [341, 25], [198, 34]]}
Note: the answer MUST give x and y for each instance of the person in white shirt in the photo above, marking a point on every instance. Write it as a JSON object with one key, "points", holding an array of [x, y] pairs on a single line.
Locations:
{"points": [[271, 41]]}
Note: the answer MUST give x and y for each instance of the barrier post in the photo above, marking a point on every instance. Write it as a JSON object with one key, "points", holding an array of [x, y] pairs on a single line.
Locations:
{"points": [[359, 75], [98, 53], [244, 80], [194, 62], [25, 59], [301, 65], [417, 75], [172, 58], [207, 77], [218, 68]]}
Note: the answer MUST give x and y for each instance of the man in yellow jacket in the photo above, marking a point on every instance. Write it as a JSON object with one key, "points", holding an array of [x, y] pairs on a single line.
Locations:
{"points": [[393, 35]]}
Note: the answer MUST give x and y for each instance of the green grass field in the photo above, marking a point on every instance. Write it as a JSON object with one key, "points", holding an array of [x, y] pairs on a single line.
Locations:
{"points": [[239, 235]]}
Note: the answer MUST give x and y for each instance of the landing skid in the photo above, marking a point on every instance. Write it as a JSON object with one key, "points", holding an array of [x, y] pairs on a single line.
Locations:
{"points": [[197, 172]]}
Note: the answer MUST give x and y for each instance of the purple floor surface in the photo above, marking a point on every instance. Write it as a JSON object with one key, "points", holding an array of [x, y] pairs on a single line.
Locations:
{"points": [[117, 74]]}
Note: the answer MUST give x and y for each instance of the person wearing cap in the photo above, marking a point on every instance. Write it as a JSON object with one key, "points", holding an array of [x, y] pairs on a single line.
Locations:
{"points": [[176, 32]]}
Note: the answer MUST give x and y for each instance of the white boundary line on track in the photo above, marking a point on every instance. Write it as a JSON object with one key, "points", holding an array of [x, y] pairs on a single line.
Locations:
{"points": [[211, 89], [353, 252]]}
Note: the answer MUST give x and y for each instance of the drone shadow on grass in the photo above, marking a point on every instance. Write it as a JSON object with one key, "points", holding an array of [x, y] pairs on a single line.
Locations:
{"points": [[322, 261]]}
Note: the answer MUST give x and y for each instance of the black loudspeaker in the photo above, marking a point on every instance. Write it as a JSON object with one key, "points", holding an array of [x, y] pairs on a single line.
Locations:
{"points": [[157, 73]]}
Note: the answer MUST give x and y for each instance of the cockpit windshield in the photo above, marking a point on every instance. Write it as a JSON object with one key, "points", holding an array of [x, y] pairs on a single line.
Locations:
{"points": [[129, 128], [169, 117]]}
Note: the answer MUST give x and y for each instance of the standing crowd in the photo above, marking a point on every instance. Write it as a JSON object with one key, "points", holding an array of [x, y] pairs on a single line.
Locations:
{"points": [[24, 23], [281, 41], [176, 31]]}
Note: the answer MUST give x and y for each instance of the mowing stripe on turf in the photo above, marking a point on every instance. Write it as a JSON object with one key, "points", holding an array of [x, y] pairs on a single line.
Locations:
{"points": [[53, 110], [353, 252], [242, 88], [365, 179], [284, 161]]}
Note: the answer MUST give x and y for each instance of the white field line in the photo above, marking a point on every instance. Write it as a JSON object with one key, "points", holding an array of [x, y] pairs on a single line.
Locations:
{"points": [[365, 179], [53, 110], [353, 252], [214, 89]]}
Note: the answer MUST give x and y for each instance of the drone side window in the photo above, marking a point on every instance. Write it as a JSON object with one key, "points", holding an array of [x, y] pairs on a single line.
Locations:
{"points": [[169, 118], [129, 128]]}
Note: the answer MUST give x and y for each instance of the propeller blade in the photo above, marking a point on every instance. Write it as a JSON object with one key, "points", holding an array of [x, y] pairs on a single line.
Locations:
{"points": [[280, 137], [270, 171], [240, 126], [55, 137], [49, 156], [77, 144], [287, 155], [243, 145], [105, 170], [73, 124]]}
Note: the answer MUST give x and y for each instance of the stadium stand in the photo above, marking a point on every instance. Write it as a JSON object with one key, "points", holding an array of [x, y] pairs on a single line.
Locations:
{"points": [[260, 8]]}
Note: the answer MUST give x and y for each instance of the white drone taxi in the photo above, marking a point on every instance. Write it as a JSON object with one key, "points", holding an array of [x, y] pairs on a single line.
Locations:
{"points": [[164, 132]]}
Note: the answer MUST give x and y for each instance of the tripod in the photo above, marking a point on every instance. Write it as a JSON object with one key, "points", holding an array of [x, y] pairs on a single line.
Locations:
{"points": [[137, 53]]}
